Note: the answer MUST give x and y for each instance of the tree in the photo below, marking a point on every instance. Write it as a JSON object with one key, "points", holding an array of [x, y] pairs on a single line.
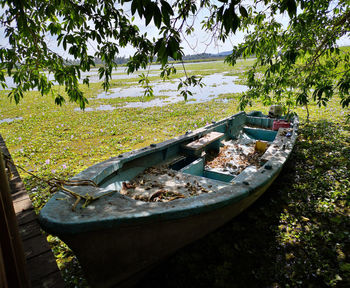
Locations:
{"points": [[299, 63], [293, 64]]}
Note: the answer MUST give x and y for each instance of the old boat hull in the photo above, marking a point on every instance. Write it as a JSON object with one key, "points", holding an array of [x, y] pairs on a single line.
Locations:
{"points": [[131, 250], [116, 238]]}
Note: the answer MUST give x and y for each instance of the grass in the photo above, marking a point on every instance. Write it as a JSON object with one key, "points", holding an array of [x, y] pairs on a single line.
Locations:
{"points": [[297, 234]]}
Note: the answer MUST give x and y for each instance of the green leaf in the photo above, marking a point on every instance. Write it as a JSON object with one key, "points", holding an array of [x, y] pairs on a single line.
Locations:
{"points": [[59, 100], [167, 11], [227, 21], [235, 22], [290, 6], [345, 267], [140, 9], [157, 16], [134, 5], [243, 11], [166, 8], [173, 48], [148, 15]]}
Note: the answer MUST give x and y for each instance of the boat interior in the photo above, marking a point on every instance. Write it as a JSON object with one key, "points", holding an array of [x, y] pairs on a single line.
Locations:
{"points": [[226, 152]]}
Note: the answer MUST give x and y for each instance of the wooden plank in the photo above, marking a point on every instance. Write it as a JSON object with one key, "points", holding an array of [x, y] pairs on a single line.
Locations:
{"points": [[12, 247], [19, 196], [3, 278], [35, 246], [26, 216], [21, 206], [204, 141], [53, 280], [30, 230], [16, 183], [41, 266]]}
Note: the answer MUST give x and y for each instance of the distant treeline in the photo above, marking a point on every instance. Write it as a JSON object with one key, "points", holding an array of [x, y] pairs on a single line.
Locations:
{"points": [[204, 56], [124, 60]]}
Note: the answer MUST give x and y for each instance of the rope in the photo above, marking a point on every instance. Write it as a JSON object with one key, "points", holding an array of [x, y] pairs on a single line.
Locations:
{"points": [[56, 184]]}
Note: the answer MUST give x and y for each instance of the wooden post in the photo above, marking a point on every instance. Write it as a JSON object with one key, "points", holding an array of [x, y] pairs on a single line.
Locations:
{"points": [[3, 281], [12, 259]]}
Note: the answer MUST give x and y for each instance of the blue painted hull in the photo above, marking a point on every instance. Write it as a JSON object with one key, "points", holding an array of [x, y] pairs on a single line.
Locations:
{"points": [[117, 237]]}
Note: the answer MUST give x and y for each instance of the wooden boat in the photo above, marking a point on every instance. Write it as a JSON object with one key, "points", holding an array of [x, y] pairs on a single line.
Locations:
{"points": [[167, 195]]}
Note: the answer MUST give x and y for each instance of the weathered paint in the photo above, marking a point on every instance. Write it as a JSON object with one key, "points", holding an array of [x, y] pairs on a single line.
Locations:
{"points": [[125, 228]]}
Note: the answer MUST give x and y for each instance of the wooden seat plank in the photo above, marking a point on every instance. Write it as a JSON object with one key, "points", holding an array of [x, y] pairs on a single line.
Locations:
{"points": [[204, 141]]}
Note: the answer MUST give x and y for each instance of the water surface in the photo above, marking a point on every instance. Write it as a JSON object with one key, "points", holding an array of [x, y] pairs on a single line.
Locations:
{"points": [[215, 85], [118, 73], [9, 120]]}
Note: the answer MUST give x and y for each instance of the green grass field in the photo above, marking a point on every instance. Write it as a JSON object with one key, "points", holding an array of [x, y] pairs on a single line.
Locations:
{"points": [[296, 235]]}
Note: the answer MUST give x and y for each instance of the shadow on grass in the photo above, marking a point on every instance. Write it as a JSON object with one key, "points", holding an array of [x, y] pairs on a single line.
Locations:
{"points": [[295, 235]]}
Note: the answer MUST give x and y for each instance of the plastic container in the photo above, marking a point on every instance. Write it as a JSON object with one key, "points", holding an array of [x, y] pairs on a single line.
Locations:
{"points": [[280, 124], [260, 146]]}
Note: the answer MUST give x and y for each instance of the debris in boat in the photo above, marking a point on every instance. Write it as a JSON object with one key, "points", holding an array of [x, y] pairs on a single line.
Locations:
{"points": [[235, 156], [160, 184], [286, 131], [165, 194]]}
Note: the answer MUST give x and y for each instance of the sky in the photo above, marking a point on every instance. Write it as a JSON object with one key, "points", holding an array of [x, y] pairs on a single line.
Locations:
{"points": [[199, 42]]}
